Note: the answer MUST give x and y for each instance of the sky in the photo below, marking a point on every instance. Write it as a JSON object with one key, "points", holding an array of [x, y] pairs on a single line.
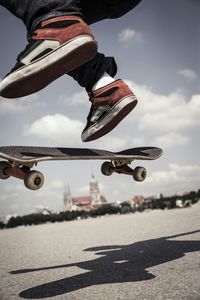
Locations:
{"points": [[157, 48]]}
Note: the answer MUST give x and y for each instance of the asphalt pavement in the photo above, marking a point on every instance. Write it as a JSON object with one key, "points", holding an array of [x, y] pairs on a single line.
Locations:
{"points": [[151, 255]]}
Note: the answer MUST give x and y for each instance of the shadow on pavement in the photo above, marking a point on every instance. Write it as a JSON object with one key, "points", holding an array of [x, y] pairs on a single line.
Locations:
{"points": [[119, 263]]}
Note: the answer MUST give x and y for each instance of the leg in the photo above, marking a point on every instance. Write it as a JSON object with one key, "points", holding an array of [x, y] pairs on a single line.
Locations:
{"points": [[89, 73], [110, 104], [32, 12], [106, 112], [94, 11], [59, 41]]}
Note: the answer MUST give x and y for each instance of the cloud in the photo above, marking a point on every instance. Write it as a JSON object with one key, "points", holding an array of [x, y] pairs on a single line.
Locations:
{"points": [[188, 74], [11, 191], [80, 98], [138, 141], [165, 113], [51, 189], [128, 35], [57, 128], [14, 197], [171, 140], [176, 178], [18, 106], [110, 142]]}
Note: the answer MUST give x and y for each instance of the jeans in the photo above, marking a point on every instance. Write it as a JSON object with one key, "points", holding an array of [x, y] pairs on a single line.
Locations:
{"points": [[32, 12]]}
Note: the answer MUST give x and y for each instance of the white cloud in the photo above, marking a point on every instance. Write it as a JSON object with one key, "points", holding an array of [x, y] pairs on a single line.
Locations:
{"points": [[51, 189], [11, 190], [177, 178], [165, 113], [14, 197], [110, 142], [57, 128], [10, 106], [159, 117], [138, 141], [128, 35], [188, 74], [80, 98], [170, 140]]}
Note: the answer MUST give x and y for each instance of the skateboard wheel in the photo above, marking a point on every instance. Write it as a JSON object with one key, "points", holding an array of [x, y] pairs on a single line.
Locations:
{"points": [[107, 168], [139, 174], [34, 180], [3, 166]]}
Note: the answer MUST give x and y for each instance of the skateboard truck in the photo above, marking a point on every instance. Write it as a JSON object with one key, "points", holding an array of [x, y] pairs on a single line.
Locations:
{"points": [[32, 179], [121, 167]]}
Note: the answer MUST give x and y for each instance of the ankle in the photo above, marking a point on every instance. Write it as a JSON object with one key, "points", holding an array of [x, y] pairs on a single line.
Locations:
{"points": [[103, 81]]}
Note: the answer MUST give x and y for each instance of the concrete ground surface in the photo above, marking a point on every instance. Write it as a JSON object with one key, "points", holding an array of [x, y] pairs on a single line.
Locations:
{"points": [[149, 255]]}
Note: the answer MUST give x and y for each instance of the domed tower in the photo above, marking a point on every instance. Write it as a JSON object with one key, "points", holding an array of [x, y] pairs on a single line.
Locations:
{"points": [[94, 191]]}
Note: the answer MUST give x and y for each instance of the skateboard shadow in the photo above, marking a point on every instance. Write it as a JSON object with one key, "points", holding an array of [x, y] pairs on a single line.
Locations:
{"points": [[117, 264]]}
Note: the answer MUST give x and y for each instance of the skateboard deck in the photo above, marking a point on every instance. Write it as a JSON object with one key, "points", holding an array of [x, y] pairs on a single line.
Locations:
{"points": [[18, 161]]}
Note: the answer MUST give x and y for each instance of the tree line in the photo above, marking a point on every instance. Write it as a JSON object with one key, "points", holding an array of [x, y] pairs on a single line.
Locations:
{"points": [[125, 207]]}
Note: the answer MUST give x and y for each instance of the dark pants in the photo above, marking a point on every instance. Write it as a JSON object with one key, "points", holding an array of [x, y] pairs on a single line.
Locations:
{"points": [[32, 12]]}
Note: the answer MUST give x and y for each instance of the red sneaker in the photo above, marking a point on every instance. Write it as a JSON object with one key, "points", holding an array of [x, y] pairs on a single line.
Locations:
{"points": [[110, 105], [58, 46]]}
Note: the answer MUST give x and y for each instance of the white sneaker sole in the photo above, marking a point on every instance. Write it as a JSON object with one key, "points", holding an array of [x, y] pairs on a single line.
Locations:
{"points": [[118, 112], [38, 74]]}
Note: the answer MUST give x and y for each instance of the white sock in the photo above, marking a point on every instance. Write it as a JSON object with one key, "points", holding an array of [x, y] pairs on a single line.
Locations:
{"points": [[104, 80]]}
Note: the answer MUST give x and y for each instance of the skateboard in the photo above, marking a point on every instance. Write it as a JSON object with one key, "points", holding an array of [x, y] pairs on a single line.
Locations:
{"points": [[19, 161]]}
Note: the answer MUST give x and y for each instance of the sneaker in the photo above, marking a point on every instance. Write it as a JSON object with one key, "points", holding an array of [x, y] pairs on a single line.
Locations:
{"points": [[110, 104], [58, 46]]}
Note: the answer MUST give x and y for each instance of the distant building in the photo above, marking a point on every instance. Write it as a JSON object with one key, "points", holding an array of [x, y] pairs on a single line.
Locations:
{"points": [[137, 201], [68, 202], [93, 200], [140, 200]]}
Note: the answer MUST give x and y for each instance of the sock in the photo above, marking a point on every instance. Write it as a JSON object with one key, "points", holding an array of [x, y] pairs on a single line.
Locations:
{"points": [[104, 80]]}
